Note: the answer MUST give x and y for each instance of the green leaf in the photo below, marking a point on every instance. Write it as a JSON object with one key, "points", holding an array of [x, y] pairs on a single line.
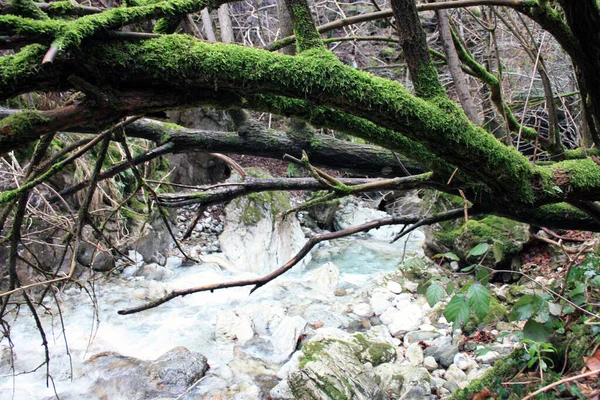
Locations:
{"points": [[450, 288], [457, 310], [535, 331], [483, 275], [469, 268], [434, 294], [478, 250], [498, 253], [479, 299], [448, 255], [522, 309]]}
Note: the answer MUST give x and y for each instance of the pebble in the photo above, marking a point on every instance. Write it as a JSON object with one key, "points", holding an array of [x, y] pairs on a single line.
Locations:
{"points": [[430, 364], [414, 354], [455, 374], [394, 287]]}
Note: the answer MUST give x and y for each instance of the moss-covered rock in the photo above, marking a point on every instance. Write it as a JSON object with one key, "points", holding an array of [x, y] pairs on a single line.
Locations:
{"points": [[505, 237], [337, 365], [329, 369], [374, 352]]}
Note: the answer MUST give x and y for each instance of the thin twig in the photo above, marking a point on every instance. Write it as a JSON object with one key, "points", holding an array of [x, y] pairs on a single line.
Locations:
{"points": [[557, 383], [190, 388]]}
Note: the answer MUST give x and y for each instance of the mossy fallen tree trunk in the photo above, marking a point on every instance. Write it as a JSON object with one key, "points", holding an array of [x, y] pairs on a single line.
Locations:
{"points": [[180, 64]]}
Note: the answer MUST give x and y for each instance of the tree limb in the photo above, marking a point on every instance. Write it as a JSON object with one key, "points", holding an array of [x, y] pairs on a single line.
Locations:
{"points": [[259, 282]]}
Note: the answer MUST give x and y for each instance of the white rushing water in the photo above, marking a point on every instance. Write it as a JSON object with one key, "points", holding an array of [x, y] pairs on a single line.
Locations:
{"points": [[92, 327]]}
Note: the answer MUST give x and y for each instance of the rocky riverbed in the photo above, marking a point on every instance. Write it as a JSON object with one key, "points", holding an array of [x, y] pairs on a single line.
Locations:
{"points": [[348, 324]]}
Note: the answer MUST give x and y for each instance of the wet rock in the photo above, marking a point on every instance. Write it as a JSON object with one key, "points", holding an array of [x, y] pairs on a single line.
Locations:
{"points": [[154, 272], [325, 278], [118, 376], [285, 338], [234, 325]]}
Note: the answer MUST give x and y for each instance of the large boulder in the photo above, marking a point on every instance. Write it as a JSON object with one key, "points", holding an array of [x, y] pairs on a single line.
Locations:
{"points": [[336, 365], [256, 238], [120, 377], [154, 240], [353, 212], [505, 237]]}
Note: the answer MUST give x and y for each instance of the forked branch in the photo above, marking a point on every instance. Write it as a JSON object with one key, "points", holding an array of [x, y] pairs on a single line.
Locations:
{"points": [[312, 242]]}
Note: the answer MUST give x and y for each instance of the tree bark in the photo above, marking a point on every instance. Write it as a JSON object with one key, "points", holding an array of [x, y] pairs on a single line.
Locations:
{"points": [[461, 84]]}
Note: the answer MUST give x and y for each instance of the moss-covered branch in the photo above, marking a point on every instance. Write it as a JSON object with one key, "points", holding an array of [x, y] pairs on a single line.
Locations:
{"points": [[307, 36], [181, 64]]}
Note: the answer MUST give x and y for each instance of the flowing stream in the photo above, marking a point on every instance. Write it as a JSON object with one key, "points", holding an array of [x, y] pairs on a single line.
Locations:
{"points": [[92, 324]]}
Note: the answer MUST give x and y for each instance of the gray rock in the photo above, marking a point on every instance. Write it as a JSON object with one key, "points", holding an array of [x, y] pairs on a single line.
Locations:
{"points": [[437, 382], [380, 304], [401, 321], [254, 238], [363, 310], [325, 278], [420, 336], [353, 212], [153, 239], [154, 272], [450, 386], [118, 376], [399, 379], [443, 354], [394, 287], [324, 214], [89, 256], [455, 374], [373, 350]]}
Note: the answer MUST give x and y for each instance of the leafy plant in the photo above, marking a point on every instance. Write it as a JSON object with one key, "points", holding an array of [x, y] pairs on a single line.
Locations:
{"points": [[538, 353]]}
